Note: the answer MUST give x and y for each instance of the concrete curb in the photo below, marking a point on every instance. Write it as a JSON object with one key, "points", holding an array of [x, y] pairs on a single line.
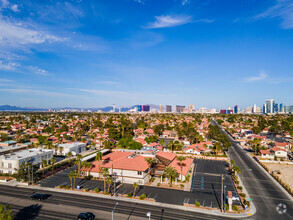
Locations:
{"points": [[163, 205]]}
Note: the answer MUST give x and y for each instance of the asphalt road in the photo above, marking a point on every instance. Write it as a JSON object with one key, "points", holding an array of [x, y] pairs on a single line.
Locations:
{"points": [[265, 193], [128, 209]]}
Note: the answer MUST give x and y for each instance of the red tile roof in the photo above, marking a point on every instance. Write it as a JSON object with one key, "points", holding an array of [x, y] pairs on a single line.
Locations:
{"points": [[116, 155], [186, 164], [264, 151], [168, 156]]}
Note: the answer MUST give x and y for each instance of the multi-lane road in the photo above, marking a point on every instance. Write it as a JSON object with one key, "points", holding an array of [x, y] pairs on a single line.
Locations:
{"points": [[67, 206], [266, 193]]}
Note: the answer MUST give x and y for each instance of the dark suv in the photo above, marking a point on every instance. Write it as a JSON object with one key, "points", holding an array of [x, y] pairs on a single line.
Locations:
{"points": [[86, 216], [40, 196]]}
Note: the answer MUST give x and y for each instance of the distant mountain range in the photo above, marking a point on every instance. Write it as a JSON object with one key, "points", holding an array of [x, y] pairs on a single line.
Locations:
{"points": [[103, 109]]}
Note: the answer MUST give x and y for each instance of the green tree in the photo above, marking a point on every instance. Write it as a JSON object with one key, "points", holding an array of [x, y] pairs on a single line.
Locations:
{"points": [[69, 155], [171, 173], [44, 164], [105, 173], [6, 212], [78, 162], [150, 162], [99, 158], [135, 185], [181, 159], [53, 161]]}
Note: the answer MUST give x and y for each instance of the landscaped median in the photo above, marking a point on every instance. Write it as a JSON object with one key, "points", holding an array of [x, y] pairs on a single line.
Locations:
{"points": [[107, 193]]}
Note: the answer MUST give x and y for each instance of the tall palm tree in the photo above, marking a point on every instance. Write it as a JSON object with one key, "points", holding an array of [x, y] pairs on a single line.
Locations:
{"points": [[105, 173], [60, 150], [53, 161], [150, 162], [74, 176], [78, 162], [204, 152], [99, 158], [69, 155], [181, 159], [135, 185], [44, 164], [171, 173], [109, 182], [70, 175]]}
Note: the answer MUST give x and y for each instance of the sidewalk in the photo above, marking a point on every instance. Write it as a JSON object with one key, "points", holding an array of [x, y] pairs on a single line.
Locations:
{"points": [[163, 205]]}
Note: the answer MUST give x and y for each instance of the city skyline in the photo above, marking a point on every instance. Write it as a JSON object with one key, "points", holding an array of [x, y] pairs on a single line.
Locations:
{"points": [[81, 54]]}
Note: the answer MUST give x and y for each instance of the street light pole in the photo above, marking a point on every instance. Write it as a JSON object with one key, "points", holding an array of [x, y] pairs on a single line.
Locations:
{"points": [[149, 215], [114, 210], [222, 194], [225, 198]]}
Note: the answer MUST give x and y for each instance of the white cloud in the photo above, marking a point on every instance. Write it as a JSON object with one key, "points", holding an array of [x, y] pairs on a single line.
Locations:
{"points": [[140, 1], [282, 9], [15, 8], [35, 92], [15, 34], [38, 71], [261, 76], [184, 2], [103, 92], [6, 80], [164, 21], [8, 66], [4, 3]]}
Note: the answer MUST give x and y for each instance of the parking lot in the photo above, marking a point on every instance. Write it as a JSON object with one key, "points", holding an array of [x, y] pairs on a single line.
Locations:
{"points": [[206, 185]]}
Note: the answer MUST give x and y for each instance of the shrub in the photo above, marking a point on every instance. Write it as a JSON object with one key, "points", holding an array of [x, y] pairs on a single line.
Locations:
{"points": [[97, 190], [242, 195], [235, 208], [152, 179], [184, 181], [237, 182], [239, 187], [187, 178], [182, 186], [197, 204], [247, 203], [107, 192], [89, 177], [67, 187], [170, 185], [61, 186], [158, 184], [142, 197], [86, 189], [129, 195]]}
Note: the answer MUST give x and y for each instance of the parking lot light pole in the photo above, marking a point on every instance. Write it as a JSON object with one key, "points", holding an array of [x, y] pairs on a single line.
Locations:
{"points": [[114, 210], [149, 215]]}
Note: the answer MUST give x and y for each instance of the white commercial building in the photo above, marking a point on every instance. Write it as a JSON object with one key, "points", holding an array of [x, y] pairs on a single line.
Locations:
{"points": [[10, 163], [75, 148]]}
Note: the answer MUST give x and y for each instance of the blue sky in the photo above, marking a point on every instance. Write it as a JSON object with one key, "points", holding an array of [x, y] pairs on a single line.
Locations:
{"points": [[94, 53]]}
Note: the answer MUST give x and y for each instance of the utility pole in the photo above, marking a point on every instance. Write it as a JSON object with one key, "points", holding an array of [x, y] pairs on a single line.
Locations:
{"points": [[222, 194], [32, 174], [28, 173]]}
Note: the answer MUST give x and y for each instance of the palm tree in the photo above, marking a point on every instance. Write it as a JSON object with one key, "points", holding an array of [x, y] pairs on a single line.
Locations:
{"points": [[204, 152], [99, 158], [74, 176], [105, 173], [69, 155], [135, 185], [217, 147], [44, 164], [109, 182], [60, 150], [236, 169], [171, 173], [181, 159], [70, 175], [52, 161], [150, 162], [78, 162]]}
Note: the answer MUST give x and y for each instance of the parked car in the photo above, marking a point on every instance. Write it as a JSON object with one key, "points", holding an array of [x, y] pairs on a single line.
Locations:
{"points": [[235, 198], [39, 196], [86, 216]]}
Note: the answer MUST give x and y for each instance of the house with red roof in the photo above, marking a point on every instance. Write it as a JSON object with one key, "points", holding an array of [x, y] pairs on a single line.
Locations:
{"points": [[165, 159], [272, 152], [128, 167], [283, 145]]}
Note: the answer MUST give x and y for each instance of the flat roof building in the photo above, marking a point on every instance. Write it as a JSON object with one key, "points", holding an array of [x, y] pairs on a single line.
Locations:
{"points": [[10, 163]]}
